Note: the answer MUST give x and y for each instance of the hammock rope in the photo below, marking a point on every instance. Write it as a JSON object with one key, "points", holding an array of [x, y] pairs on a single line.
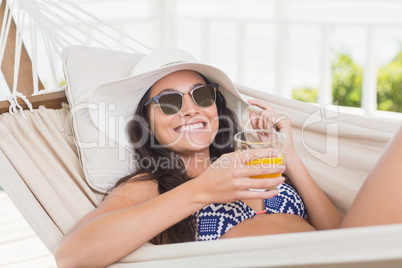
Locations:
{"points": [[54, 25], [34, 58], [139, 45], [5, 30], [13, 106], [18, 47], [58, 196]]}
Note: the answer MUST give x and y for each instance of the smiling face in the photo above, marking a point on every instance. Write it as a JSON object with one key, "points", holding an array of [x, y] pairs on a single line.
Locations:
{"points": [[192, 129]]}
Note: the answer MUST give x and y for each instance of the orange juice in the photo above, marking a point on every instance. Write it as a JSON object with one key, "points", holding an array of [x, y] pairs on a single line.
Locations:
{"points": [[267, 162]]}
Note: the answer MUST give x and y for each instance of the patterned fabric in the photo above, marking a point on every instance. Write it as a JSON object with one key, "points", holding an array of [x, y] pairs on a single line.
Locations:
{"points": [[216, 219], [287, 201]]}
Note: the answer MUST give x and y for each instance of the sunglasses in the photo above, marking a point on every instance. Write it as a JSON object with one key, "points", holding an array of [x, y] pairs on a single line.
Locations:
{"points": [[172, 102]]}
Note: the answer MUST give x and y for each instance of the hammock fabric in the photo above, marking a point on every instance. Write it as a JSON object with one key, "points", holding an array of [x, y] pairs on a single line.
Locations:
{"points": [[42, 174], [41, 168]]}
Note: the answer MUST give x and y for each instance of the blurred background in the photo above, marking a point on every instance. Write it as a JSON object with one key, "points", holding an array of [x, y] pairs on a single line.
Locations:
{"points": [[344, 52]]}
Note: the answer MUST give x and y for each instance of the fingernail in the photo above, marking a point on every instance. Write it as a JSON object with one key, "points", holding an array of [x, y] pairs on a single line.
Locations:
{"points": [[274, 191], [273, 153]]}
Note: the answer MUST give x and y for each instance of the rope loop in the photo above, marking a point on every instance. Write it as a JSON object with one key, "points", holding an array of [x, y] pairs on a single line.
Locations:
{"points": [[13, 107], [15, 98], [25, 99]]}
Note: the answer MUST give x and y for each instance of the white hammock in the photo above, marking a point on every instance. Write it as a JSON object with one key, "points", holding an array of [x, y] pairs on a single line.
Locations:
{"points": [[48, 26], [42, 174]]}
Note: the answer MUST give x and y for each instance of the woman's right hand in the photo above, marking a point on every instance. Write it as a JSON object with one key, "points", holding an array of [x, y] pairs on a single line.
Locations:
{"points": [[269, 119], [228, 178]]}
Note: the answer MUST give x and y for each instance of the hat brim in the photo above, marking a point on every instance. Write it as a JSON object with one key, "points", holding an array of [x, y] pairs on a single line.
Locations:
{"points": [[120, 98]]}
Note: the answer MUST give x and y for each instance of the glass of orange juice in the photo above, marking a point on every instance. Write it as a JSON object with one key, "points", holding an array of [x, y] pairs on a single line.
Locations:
{"points": [[260, 139]]}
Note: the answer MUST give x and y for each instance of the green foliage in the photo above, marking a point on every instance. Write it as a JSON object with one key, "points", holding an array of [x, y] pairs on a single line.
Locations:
{"points": [[62, 82], [305, 94], [347, 81], [347, 84], [389, 85]]}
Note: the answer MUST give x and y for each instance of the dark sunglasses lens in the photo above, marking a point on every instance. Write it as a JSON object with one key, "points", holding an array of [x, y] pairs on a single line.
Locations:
{"points": [[170, 103], [204, 96]]}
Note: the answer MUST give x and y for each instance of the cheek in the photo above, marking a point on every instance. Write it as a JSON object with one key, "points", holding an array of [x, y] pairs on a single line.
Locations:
{"points": [[162, 136], [156, 122], [162, 126], [213, 115], [156, 118]]}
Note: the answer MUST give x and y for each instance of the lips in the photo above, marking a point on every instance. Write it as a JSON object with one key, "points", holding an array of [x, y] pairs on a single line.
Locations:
{"points": [[191, 127]]}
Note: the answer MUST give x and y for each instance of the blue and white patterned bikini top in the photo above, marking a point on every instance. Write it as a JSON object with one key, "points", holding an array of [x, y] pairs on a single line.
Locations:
{"points": [[216, 219]]}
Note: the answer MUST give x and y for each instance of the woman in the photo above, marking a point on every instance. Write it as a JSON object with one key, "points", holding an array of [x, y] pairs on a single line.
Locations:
{"points": [[193, 187]]}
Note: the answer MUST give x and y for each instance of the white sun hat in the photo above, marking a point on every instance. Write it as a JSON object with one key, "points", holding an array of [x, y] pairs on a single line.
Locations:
{"points": [[114, 103]]}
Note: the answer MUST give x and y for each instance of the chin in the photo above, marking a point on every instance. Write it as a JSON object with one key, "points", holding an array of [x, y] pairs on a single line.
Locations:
{"points": [[200, 142], [185, 147], [191, 143]]}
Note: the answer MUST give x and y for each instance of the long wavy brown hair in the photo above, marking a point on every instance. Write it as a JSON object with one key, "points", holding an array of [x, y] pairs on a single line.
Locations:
{"points": [[173, 171]]}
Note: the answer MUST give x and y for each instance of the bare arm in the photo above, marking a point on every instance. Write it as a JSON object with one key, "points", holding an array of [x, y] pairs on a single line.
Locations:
{"points": [[121, 224], [322, 213], [134, 213]]}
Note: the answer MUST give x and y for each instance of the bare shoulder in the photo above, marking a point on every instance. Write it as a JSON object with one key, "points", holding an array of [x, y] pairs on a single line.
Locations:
{"points": [[131, 193]]}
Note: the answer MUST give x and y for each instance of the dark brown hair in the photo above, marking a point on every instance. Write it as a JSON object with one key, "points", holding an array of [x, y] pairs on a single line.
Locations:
{"points": [[173, 172]]}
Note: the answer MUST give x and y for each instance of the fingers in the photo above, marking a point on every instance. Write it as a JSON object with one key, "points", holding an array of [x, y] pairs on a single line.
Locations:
{"points": [[261, 121], [250, 163], [262, 104], [254, 120], [246, 195], [271, 116], [260, 170], [268, 185], [257, 164], [232, 173], [268, 120], [262, 183]]}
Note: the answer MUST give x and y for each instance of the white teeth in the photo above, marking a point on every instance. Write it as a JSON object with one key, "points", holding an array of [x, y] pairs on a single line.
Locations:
{"points": [[190, 127]]}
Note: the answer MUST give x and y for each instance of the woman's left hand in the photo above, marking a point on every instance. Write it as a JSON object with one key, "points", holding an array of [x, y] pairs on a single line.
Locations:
{"points": [[268, 118]]}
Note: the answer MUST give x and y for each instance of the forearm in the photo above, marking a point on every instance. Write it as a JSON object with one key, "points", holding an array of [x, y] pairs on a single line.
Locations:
{"points": [[322, 213], [115, 234]]}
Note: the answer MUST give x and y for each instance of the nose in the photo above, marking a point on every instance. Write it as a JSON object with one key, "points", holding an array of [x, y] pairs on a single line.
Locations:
{"points": [[189, 107]]}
